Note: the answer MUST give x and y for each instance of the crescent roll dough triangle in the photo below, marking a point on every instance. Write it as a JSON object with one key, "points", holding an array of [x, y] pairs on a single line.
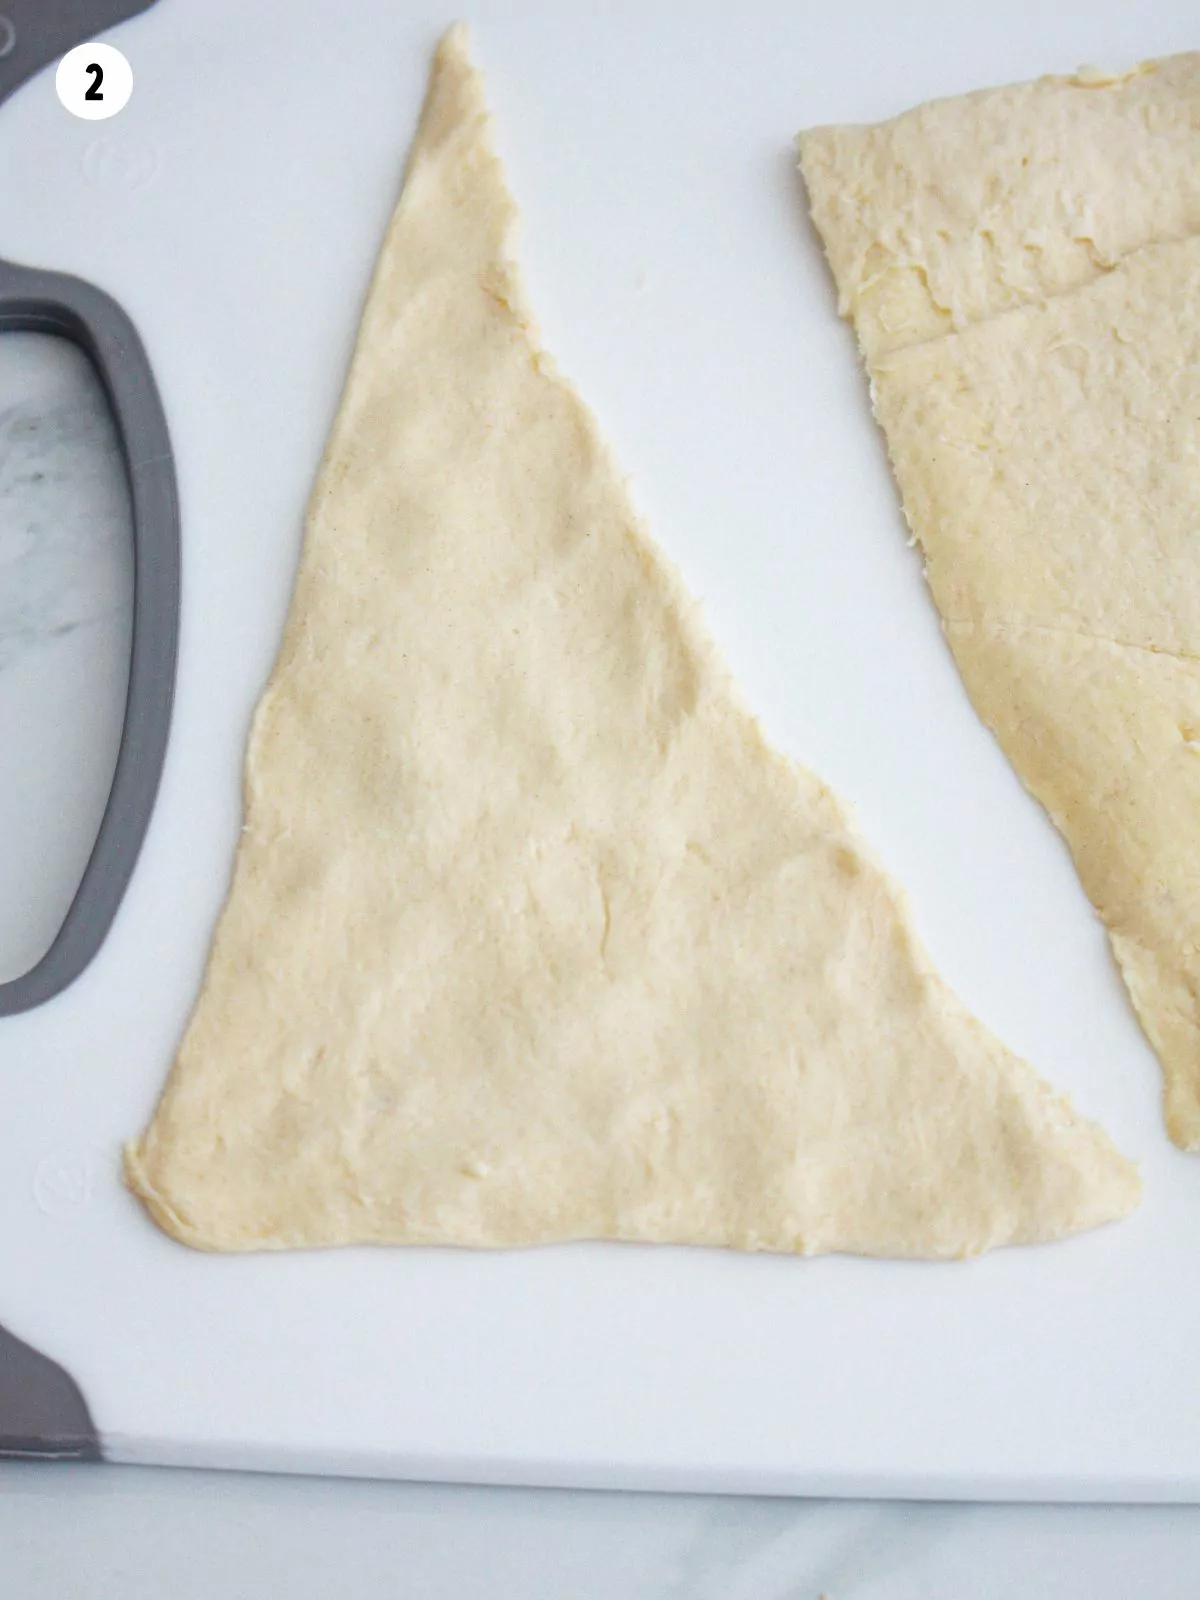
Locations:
{"points": [[1023, 270], [531, 935]]}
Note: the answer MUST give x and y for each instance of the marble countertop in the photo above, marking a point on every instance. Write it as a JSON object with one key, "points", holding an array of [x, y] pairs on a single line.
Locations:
{"points": [[66, 589], [125, 1533], [121, 1532]]}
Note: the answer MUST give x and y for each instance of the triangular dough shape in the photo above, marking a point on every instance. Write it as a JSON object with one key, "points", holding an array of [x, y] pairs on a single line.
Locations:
{"points": [[531, 935], [1047, 456]]}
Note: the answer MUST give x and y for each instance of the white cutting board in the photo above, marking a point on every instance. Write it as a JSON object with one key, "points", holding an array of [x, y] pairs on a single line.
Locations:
{"points": [[235, 209]]}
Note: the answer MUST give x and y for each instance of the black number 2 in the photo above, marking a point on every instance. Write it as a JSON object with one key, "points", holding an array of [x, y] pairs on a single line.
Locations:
{"points": [[96, 73]]}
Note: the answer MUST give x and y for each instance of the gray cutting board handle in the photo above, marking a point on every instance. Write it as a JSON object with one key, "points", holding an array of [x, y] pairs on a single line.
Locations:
{"points": [[42, 1412], [46, 302], [34, 33]]}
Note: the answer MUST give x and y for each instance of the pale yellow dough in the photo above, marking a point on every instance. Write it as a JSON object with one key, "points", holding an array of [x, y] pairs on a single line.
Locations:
{"points": [[1047, 454], [531, 935], [964, 208]]}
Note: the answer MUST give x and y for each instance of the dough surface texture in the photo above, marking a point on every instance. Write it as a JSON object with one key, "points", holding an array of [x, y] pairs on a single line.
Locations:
{"points": [[531, 936], [1022, 268]]}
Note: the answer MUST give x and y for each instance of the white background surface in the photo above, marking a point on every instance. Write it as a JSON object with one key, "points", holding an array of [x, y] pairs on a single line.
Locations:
{"points": [[234, 208]]}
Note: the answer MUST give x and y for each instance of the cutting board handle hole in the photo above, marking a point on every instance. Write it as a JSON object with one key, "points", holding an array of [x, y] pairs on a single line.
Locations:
{"points": [[66, 597]]}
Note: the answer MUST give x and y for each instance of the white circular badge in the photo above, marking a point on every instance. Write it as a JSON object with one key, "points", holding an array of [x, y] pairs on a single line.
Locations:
{"points": [[94, 81]]}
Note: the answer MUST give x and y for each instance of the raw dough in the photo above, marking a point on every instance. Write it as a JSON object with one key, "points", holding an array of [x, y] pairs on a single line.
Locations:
{"points": [[966, 207], [531, 935], [1047, 457]]}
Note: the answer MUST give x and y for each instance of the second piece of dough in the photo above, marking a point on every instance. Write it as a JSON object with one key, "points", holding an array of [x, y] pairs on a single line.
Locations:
{"points": [[1032, 332]]}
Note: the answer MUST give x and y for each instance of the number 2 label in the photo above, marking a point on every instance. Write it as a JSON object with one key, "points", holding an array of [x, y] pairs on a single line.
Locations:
{"points": [[94, 81]]}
